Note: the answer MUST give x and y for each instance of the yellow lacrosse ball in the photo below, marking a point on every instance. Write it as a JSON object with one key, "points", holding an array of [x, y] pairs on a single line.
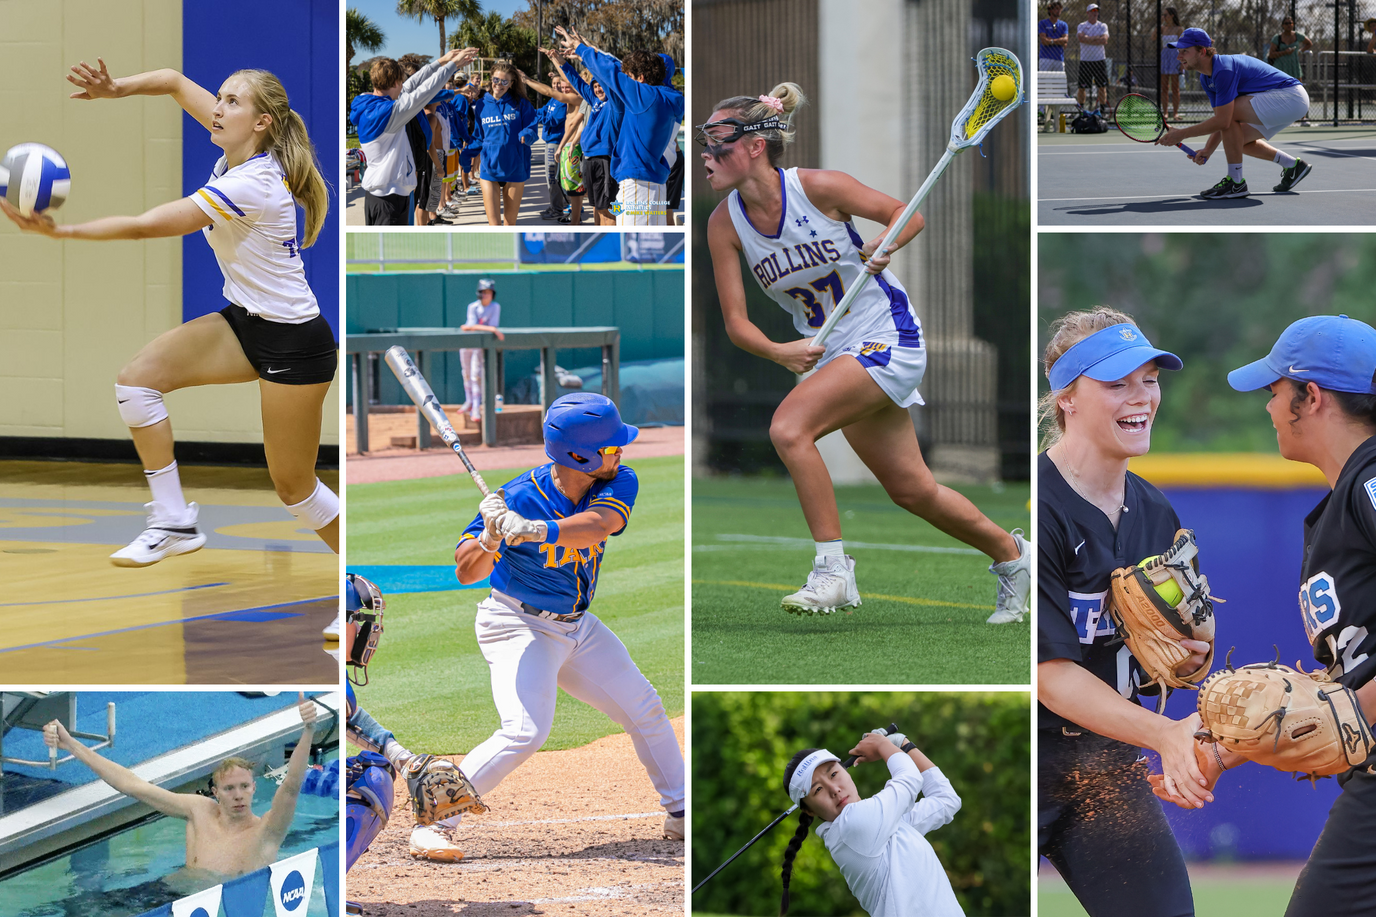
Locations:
{"points": [[1169, 590], [1003, 87]]}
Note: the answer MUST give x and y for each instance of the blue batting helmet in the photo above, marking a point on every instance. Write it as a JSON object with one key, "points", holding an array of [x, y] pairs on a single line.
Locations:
{"points": [[580, 424]]}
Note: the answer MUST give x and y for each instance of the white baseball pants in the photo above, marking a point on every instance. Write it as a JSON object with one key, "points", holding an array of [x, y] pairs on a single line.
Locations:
{"points": [[471, 362], [529, 658]]}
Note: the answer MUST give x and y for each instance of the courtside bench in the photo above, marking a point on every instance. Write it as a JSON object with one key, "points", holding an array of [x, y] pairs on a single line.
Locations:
{"points": [[1052, 92]]}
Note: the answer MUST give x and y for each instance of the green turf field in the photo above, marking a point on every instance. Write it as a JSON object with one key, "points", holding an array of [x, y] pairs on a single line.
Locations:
{"points": [[429, 683], [923, 613], [1216, 896]]}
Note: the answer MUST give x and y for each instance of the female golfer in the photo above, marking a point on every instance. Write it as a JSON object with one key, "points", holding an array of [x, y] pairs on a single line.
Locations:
{"points": [[1095, 517], [506, 129], [1323, 404], [795, 231], [272, 330], [877, 843]]}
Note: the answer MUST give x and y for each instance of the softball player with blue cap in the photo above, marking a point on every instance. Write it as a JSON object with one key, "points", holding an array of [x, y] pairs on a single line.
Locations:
{"points": [[1094, 517], [540, 539], [1322, 377]]}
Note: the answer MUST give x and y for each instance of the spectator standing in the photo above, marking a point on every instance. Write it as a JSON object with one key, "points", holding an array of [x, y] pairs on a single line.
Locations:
{"points": [[1286, 48], [555, 121], [1053, 33], [1170, 31], [1093, 36], [506, 124], [598, 139], [381, 117]]}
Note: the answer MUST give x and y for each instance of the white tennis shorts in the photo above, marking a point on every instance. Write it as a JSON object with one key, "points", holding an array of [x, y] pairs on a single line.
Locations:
{"points": [[1279, 108], [897, 370]]}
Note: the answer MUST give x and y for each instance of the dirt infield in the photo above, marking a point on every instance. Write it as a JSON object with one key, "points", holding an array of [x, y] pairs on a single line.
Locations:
{"points": [[405, 464], [569, 832]]}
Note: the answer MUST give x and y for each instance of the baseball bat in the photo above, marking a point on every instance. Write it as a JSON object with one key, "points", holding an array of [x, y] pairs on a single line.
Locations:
{"points": [[420, 392], [847, 764]]}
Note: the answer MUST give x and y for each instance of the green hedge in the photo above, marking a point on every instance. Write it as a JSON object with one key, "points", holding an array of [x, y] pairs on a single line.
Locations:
{"points": [[742, 741]]}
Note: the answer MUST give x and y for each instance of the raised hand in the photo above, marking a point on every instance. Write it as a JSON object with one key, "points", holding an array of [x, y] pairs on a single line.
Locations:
{"points": [[306, 708], [93, 83]]}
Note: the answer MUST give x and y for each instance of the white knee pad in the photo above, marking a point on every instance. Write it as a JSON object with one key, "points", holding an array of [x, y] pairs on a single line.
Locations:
{"points": [[319, 509], [138, 406]]}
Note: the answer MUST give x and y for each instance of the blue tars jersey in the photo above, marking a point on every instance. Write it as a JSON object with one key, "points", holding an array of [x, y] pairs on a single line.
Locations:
{"points": [[546, 576], [1239, 75]]}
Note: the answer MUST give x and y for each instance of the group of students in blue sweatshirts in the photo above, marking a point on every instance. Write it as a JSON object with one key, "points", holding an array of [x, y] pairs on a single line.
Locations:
{"points": [[610, 134]]}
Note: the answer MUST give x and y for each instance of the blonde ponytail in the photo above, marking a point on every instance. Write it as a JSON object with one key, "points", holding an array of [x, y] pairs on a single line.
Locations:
{"points": [[752, 109], [288, 140]]}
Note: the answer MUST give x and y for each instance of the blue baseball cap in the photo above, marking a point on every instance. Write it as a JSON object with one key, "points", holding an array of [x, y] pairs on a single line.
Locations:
{"points": [[1335, 352], [1193, 38], [1108, 355]]}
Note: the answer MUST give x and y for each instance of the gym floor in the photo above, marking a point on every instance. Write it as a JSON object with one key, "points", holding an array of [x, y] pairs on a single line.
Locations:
{"points": [[248, 608]]}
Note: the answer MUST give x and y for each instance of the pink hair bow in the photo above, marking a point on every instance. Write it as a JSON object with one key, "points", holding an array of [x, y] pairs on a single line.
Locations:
{"points": [[772, 102]]}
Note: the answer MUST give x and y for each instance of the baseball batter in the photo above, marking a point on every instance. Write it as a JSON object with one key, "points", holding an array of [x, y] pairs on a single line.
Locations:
{"points": [[1322, 378], [1097, 517], [879, 844], [541, 540], [796, 232]]}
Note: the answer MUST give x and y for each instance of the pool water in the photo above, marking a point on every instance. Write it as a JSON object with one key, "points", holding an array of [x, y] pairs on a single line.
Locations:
{"points": [[123, 875]]}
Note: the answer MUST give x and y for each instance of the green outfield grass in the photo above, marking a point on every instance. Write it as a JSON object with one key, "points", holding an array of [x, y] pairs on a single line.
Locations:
{"points": [[1215, 896], [922, 617], [429, 682]]}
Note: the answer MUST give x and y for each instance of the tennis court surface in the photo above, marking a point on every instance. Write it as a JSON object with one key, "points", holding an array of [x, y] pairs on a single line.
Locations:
{"points": [[1109, 180]]}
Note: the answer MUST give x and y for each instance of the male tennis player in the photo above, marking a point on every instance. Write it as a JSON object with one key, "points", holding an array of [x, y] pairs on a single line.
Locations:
{"points": [[1252, 102]]}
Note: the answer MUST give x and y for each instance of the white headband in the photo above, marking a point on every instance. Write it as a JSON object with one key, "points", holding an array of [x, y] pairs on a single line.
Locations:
{"points": [[801, 784]]}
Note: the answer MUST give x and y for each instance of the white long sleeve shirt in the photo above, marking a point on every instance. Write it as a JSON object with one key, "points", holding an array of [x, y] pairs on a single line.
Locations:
{"points": [[878, 844]]}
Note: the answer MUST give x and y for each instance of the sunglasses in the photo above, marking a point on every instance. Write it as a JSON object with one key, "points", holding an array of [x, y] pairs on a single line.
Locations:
{"points": [[609, 450], [497, 82]]}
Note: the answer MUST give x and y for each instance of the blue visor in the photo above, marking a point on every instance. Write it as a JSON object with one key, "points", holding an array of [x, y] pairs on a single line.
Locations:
{"points": [[1335, 352], [1109, 355]]}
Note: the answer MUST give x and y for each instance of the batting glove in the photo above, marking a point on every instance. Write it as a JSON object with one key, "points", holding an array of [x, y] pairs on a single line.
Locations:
{"points": [[516, 529], [493, 506]]}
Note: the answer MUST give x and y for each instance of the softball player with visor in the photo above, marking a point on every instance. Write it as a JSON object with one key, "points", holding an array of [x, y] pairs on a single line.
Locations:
{"points": [[541, 539], [1095, 516], [272, 330], [1321, 374], [796, 233], [879, 844]]}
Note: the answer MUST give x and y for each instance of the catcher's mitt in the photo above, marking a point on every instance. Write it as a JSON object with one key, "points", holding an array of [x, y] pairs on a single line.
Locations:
{"points": [[1151, 626], [1291, 720], [439, 789]]}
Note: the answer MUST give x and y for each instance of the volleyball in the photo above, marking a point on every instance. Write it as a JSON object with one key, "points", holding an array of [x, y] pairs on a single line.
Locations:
{"points": [[34, 177]]}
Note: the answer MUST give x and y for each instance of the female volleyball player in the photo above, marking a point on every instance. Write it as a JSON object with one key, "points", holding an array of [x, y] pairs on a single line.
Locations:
{"points": [[1096, 516], [1323, 406], [506, 129], [795, 231], [272, 330], [877, 843]]}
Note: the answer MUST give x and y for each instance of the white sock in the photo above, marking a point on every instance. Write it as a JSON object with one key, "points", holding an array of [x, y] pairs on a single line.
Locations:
{"points": [[1285, 159], [1235, 171], [830, 548], [166, 485]]}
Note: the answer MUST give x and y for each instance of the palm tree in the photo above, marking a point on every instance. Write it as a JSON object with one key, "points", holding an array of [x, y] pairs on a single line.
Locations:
{"points": [[439, 10], [362, 34]]}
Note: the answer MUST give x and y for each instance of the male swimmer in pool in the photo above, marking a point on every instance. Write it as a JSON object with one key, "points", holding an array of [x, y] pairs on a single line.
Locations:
{"points": [[223, 837]]}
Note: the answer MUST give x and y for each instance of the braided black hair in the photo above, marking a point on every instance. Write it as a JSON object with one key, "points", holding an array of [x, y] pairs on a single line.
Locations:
{"points": [[804, 823]]}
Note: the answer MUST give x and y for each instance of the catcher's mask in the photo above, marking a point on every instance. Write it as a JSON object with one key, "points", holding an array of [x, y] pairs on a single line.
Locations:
{"points": [[364, 604], [716, 141]]}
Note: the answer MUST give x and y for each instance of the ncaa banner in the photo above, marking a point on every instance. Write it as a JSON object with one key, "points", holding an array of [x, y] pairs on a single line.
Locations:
{"points": [[201, 904], [291, 883], [246, 895]]}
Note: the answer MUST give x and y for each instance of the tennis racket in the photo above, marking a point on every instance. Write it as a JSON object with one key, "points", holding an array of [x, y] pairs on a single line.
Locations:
{"points": [[1139, 119]]}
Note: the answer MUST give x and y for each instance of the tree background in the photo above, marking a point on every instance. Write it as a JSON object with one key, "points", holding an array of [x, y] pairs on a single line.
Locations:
{"points": [[741, 743], [1218, 301]]}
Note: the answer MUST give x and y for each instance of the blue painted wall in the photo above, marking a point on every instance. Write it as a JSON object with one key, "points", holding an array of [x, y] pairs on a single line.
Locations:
{"points": [[298, 40]]}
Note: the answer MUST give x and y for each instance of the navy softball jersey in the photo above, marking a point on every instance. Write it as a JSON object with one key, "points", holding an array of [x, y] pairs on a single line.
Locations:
{"points": [[1097, 820]]}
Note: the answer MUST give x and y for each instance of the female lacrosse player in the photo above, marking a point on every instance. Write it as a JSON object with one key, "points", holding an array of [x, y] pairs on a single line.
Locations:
{"points": [[506, 129], [272, 330], [877, 843], [1095, 517], [1323, 406], [794, 228]]}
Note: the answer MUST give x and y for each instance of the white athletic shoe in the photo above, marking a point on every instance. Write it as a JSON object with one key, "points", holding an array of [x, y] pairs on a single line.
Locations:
{"points": [[164, 537], [1015, 584], [673, 828], [432, 843], [830, 585], [332, 630]]}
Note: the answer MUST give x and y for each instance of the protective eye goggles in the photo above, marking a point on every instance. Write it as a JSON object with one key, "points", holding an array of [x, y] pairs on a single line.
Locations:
{"points": [[739, 129]]}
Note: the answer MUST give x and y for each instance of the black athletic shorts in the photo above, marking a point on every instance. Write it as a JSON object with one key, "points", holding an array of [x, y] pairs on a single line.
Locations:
{"points": [[1101, 827], [1093, 71], [304, 354], [598, 183], [386, 210]]}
